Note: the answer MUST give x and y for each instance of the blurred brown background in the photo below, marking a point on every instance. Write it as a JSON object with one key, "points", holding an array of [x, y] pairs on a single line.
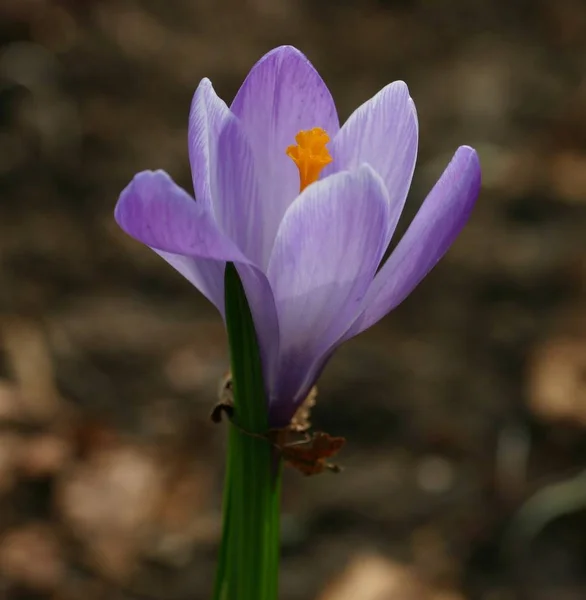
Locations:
{"points": [[464, 410]]}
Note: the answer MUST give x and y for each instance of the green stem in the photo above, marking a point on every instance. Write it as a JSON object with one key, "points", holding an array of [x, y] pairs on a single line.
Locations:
{"points": [[249, 554]]}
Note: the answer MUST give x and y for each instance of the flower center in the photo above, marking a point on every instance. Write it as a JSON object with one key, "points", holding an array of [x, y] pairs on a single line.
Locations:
{"points": [[310, 154]]}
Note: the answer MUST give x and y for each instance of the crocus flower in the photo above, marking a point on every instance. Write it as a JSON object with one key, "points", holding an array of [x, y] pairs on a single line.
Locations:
{"points": [[305, 209]]}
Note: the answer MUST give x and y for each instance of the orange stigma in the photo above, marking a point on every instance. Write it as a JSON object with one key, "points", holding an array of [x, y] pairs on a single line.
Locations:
{"points": [[310, 154]]}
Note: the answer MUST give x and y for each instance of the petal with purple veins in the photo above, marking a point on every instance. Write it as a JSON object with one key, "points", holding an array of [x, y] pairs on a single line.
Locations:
{"points": [[433, 230], [206, 275], [282, 95], [326, 253], [223, 171], [156, 211], [236, 202], [382, 133], [207, 117], [438, 222]]}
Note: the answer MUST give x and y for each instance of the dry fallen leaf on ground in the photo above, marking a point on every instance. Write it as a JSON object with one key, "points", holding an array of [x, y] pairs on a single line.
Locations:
{"points": [[109, 502], [557, 386], [373, 577]]}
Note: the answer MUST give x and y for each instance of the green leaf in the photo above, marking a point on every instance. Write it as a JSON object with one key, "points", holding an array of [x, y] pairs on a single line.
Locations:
{"points": [[249, 554]]}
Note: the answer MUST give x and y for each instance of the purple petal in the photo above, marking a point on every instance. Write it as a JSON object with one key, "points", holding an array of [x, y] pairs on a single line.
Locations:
{"points": [[282, 95], [382, 133], [223, 171], [156, 211], [206, 275], [433, 230], [207, 118], [237, 204], [326, 253]]}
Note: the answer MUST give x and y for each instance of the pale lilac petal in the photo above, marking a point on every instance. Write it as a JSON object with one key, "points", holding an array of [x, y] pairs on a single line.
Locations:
{"points": [[237, 204], [433, 230], [440, 219], [282, 95], [157, 212], [206, 275], [326, 253], [207, 118], [223, 171], [382, 133]]}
